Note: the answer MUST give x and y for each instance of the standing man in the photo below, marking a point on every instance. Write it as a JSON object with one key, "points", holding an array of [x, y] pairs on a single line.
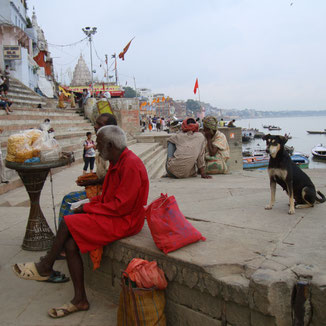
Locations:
{"points": [[119, 212]]}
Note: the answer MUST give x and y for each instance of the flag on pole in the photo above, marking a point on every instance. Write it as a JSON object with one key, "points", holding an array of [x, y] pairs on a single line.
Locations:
{"points": [[125, 49], [196, 86]]}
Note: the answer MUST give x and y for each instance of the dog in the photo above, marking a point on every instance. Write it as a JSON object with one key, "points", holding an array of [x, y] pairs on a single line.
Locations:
{"points": [[300, 189]]}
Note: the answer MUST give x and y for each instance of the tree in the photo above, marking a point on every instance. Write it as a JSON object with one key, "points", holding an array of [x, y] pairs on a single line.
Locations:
{"points": [[192, 106], [129, 92]]}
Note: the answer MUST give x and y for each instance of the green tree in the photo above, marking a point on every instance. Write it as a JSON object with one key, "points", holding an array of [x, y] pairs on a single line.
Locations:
{"points": [[192, 106], [129, 92]]}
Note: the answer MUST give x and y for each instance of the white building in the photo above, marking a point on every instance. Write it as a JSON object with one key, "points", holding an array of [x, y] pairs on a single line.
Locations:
{"points": [[19, 41]]}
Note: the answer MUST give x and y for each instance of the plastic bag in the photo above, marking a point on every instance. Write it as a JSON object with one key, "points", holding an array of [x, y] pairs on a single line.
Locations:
{"points": [[146, 274], [169, 228], [20, 146], [49, 148]]}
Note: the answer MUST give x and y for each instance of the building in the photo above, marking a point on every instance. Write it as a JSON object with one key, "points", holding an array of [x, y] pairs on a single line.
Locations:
{"points": [[20, 43], [82, 75]]}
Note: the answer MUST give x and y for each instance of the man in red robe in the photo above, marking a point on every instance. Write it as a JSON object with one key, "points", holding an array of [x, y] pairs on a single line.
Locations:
{"points": [[117, 213]]}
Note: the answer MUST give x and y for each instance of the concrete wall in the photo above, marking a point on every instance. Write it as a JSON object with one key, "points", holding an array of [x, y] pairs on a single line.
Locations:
{"points": [[234, 138]]}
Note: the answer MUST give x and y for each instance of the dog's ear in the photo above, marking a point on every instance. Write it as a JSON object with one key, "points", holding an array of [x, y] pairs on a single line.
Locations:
{"points": [[283, 140], [265, 137]]}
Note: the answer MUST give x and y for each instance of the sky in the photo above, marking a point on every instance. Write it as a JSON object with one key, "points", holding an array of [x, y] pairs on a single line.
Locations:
{"points": [[246, 54]]}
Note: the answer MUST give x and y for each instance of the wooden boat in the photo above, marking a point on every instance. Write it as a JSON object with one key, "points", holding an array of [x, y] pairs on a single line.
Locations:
{"points": [[316, 132], [300, 159], [273, 128], [319, 151], [253, 162]]}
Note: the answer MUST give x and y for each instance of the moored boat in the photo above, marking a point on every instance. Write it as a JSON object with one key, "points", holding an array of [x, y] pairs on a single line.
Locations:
{"points": [[253, 162], [271, 128], [300, 159], [319, 151], [312, 132]]}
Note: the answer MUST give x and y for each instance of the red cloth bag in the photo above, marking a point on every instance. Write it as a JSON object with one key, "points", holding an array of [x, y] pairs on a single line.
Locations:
{"points": [[169, 228]]}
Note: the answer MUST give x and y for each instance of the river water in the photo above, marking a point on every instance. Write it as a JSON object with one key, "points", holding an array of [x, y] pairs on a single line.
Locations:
{"points": [[295, 126]]}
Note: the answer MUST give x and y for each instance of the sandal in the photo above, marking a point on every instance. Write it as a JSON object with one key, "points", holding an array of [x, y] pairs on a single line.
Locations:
{"points": [[57, 277], [28, 271], [64, 310]]}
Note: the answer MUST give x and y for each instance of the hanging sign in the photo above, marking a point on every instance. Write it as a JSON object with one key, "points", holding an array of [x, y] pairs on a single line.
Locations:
{"points": [[11, 52]]}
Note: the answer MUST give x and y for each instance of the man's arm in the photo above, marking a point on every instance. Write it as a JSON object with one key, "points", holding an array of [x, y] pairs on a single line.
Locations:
{"points": [[201, 162]]}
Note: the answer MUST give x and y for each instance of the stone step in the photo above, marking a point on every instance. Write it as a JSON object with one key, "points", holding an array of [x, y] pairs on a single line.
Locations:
{"points": [[37, 119], [15, 93], [155, 163], [11, 129], [44, 112]]}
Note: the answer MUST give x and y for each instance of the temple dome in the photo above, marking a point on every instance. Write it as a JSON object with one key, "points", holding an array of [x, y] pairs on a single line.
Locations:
{"points": [[81, 75]]}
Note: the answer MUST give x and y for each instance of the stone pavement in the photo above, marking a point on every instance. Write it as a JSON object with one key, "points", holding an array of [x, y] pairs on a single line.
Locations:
{"points": [[25, 303], [242, 238]]}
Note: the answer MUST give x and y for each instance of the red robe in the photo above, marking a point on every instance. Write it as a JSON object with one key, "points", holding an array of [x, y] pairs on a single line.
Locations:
{"points": [[117, 213]]}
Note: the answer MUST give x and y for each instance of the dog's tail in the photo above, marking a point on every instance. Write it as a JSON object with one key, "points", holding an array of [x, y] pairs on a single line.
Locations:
{"points": [[323, 199]]}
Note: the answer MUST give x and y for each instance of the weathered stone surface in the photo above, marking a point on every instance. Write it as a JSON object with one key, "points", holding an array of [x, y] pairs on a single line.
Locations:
{"points": [[235, 288], [318, 295], [190, 277], [178, 315], [237, 315], [194, 299], [271, 294], [258, 319]]}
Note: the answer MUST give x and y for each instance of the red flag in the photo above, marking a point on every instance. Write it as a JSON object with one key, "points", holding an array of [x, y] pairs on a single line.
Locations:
{"points": [[196, 86], [122, 54]]}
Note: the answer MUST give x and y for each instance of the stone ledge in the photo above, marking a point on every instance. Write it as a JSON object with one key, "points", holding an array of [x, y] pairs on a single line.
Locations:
{"points": [[263, 299]]}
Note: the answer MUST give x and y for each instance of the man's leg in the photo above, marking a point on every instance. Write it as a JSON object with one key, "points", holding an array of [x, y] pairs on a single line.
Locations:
{"points": [[45, 266], [170, 153], [76, 270]]}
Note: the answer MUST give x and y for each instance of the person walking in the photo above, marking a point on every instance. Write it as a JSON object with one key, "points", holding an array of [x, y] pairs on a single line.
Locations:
{"points": [[89, 153]]}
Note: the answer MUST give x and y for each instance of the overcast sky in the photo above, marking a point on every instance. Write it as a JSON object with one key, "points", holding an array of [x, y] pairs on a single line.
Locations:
{"points": [[258, 54]]}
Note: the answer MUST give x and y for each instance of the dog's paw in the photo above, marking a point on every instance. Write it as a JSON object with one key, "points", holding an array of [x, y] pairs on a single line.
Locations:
{"points": [[291, 212], [268, 207]]}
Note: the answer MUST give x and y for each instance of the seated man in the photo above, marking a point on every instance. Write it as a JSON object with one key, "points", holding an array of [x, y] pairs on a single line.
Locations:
{"points": [[119, 212], [104, 119], [217, 148], [186, 150]]}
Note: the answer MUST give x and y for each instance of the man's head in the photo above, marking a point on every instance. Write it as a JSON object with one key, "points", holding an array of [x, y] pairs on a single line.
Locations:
{"points": [[105, 119], [111, 142], [47, 120], [189, 124], [210, 124]]}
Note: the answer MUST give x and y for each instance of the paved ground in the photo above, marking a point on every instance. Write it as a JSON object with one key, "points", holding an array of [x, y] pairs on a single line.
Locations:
{"points": [[228, 210]]}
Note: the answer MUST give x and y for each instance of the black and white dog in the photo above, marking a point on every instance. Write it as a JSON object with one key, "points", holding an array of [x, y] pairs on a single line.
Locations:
{"points": [[289, 176]]}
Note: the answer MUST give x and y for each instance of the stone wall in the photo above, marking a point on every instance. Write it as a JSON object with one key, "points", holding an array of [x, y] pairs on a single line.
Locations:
{"points": [[126, 111], [234, 138], [196, 297]]}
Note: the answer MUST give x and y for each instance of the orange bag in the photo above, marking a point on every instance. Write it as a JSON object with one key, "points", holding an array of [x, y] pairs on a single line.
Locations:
{"points": [[146, 274]]}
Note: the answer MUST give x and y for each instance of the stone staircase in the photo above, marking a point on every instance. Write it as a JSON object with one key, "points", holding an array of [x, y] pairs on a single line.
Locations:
{"points": [[24, 97], [70, 131]]}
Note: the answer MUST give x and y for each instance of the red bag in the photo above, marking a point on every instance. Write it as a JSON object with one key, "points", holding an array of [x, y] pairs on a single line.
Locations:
{"points": [[169, 228]]}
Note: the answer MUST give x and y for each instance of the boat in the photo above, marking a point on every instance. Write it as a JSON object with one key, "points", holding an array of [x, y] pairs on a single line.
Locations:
{"points": [[266, 126], [273, 128], [253, 162], [300, 159], [311, 132], [319, 151], [247, 135]]}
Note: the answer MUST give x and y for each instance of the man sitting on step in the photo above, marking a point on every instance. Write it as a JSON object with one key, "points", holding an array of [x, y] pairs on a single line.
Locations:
{"points": [[186, 150], [119, 212], [104, 119]]}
